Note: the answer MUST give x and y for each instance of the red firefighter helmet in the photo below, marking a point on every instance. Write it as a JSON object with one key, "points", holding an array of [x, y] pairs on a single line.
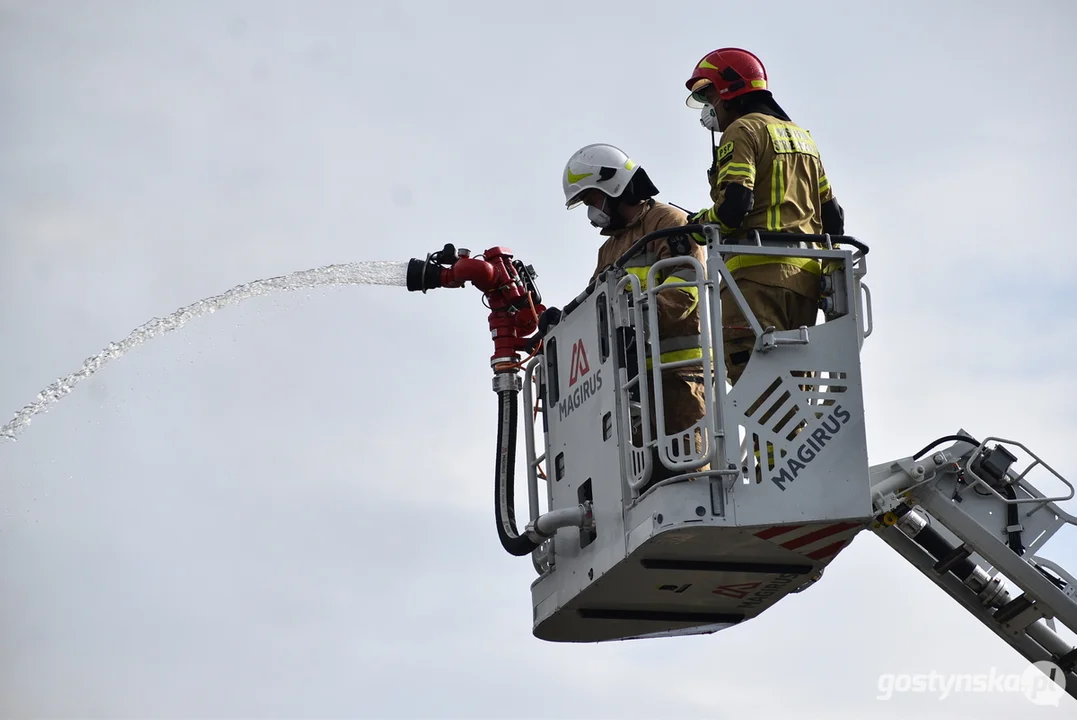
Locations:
{"points": [[731, 71]]}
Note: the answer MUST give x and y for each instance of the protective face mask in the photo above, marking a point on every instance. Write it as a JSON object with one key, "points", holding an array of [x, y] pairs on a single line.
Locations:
{"points": [[709, 119], [598, 217]]}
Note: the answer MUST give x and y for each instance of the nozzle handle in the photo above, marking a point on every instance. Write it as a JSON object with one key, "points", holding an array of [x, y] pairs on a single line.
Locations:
{"points": [[447, 256]]}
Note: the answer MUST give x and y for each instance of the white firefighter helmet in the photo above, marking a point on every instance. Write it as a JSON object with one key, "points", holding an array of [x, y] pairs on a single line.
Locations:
{"points": [[599, 166]]}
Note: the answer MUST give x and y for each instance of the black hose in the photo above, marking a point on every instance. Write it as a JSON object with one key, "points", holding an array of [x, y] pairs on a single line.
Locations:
{"points": [[956, 438], [846, 240], [504, 473], [820, 239], [697, 228], [578, 300], [1014, 520], [664, 232]]}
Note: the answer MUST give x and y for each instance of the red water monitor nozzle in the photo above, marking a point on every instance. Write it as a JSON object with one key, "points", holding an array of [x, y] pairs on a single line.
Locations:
{"points": [[509, 286]]}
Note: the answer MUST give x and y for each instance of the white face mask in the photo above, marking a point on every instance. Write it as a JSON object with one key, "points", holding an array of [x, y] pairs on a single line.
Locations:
{"points": [[598, 217], [709, 118]]}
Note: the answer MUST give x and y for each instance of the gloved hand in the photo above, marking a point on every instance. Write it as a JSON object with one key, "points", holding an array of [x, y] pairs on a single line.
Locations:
{"points": [[703, 217]]}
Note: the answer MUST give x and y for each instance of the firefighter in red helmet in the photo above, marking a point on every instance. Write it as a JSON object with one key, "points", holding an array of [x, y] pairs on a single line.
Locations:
{"points": [[766, 175]]}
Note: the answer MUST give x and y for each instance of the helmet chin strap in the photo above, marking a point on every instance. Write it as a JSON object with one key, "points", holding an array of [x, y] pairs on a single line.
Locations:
{"points": [[709, 120], [714, 153]]}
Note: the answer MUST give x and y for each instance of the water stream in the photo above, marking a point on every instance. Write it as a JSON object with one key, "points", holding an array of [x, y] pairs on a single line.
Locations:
{"points": [[358, 273]]}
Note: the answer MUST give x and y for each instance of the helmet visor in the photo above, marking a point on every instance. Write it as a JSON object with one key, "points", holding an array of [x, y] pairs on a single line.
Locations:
{"points": [[698, 98]]}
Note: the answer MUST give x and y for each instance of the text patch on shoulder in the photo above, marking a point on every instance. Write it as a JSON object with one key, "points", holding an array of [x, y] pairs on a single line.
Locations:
{"points": [[725, 153]]}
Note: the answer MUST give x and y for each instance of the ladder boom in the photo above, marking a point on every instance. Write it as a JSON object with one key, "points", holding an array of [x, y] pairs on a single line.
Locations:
{"points": [[972, 525]]}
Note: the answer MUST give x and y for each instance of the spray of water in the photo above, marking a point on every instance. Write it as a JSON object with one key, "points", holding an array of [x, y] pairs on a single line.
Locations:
{"points": [[360, 273]]}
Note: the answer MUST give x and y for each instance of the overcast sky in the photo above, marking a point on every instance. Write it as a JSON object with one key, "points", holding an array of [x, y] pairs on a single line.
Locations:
{"points": [[284, 509]]}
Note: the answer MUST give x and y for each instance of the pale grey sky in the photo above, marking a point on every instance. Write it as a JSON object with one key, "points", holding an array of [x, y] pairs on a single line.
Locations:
{"points": [[247, 518]]}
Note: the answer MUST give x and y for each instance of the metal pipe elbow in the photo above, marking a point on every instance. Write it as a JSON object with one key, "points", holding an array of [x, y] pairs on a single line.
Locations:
{"points": [[547, 524]]}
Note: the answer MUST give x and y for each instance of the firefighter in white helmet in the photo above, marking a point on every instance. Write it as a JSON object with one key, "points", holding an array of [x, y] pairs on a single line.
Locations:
{"points": [[620, 203]]}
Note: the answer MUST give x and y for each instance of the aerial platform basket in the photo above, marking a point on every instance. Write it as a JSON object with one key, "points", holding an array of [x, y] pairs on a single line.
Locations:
{"points": [[695, 531]]}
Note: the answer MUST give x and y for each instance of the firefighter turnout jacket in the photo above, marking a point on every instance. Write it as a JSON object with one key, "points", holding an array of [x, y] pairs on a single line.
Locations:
{"points": [[678, 314], [779, 164]]}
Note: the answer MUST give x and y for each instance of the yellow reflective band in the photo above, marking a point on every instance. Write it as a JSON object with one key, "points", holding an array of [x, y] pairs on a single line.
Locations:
{"points": [[777, 196], [674, 278], [677, 356], [743, 261], [759, 83], [641, 273], [641, 270], [703, 64], [573, 178], [691, 290], [744, 170], [824, 185], [629, 164]]}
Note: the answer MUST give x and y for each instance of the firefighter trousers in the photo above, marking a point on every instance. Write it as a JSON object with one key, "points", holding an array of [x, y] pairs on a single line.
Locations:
{"points": [[780, 307]]}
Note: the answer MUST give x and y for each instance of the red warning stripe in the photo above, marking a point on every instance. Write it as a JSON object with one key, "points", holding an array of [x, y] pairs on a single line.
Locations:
{"points": [[818, 535], [829, 550], [775, 531]]}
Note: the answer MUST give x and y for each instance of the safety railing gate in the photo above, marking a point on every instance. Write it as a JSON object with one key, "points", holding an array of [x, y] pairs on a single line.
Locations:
{"points": [[635, 314]]}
